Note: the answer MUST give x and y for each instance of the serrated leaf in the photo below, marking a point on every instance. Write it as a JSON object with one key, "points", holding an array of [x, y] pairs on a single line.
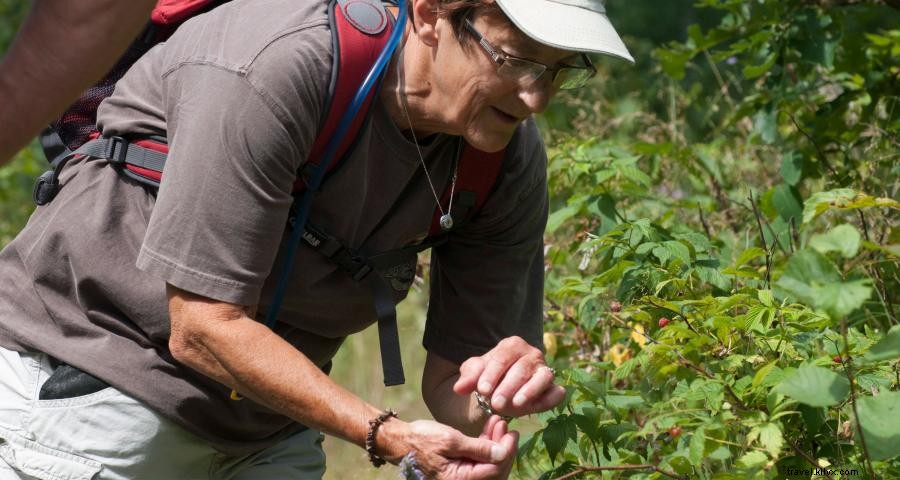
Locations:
{"points": [[766, 298], [635, 175], [749, 255], [844, 239], [762, 373], [679, 251], [842, 199], [879, 418], [752, 460], [888, 348], [771, 438], [697, 447], [556, 436], [815, 386]]}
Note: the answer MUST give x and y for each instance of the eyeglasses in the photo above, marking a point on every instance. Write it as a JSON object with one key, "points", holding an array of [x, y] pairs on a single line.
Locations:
{"points": [[526, 72]]}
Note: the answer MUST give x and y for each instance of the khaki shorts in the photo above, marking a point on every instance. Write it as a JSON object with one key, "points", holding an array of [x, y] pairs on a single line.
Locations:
{"points": [[107, 435]]}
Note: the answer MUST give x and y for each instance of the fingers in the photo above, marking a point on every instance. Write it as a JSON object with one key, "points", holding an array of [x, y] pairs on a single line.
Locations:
{"points": [[509, 352], [469, 373], [488, 429], [478, 449], [525, 381]]}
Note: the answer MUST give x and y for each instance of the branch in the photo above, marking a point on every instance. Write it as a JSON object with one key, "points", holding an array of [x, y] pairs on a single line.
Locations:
{"points": [[808, 458], [762, 238], [845, 361], [590, 468]]}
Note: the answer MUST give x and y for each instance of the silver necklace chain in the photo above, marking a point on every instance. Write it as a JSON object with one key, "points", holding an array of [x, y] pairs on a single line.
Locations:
{"points": [[446, 220]]}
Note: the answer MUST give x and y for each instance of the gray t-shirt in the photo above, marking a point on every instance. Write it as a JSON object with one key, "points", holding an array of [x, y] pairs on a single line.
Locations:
{"points": [[239, 93]]}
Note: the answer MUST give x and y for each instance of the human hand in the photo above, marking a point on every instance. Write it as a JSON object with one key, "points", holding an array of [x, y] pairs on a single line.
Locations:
{"points": [[443, 453], [514, 376], [497, 429]]}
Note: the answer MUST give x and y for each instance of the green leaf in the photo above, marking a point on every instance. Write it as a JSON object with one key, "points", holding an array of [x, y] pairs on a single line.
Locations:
{"points": [[879, 419], [754, 71], [888, 348], [840, 299], [623, 402], [635, 175], [752, 460], [792, 168], [813, 279], [842, 199], [679, 251], [787, 202], [555, 436], [749, 255], [771, 438], [697, 447], [560, 216], [766, 298], [765, 124], [815, 386], [762, 373], [843, 238]]}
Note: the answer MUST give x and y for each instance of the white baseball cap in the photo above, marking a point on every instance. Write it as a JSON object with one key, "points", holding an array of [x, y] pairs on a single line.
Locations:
{"points": [[578, 25]]}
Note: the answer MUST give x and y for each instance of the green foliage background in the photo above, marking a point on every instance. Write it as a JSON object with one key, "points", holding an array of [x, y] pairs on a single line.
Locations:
{"points": [[741, 182]]}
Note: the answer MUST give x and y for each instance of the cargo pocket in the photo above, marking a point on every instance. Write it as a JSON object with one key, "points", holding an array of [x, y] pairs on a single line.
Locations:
{"points": [[44, 463]]}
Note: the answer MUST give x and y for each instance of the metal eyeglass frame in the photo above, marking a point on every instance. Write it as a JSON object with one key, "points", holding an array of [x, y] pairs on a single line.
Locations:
{"points": [[528, 71]]}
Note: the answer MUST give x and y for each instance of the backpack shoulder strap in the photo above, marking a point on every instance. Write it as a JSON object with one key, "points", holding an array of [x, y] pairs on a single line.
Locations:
{"points": [[477, 173], [359, 34]]}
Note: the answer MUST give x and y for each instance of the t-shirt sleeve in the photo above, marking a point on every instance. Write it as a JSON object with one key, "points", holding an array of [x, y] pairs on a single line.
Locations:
{"points": [[487, 280], [226, 191]]}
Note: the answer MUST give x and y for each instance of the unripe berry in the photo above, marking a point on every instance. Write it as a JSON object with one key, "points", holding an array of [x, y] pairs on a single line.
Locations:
{"points": [[663, 321], [615, 306]]}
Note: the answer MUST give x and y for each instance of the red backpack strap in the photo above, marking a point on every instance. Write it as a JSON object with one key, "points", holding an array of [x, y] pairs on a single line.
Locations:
{"points": [[476, 175], [171, 12], [359, 34]]}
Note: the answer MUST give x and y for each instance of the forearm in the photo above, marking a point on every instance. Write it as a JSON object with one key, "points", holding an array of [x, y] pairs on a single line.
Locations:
{"points": [[62, 48], [445, 405], [245, 355]]}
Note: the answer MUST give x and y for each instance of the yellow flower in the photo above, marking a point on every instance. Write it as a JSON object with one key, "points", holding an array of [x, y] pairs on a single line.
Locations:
{"points": [[637, 334], [617, 354]]}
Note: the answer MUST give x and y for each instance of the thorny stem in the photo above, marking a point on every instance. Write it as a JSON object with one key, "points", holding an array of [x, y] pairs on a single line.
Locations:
{"points": [[588, 468], [846, 362], [807, 457], [762, 237], [703, 221]]}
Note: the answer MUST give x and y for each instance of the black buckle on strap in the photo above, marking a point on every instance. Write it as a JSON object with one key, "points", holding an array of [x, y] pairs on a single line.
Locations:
{"points": [[116, 150]]}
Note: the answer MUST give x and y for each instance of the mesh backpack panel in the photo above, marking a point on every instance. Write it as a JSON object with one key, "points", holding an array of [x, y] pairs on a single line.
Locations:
{"points": [[78, 122]]}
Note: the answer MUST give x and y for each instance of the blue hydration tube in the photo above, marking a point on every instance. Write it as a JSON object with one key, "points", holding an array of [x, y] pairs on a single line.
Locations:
{"points": [[327, 158]]}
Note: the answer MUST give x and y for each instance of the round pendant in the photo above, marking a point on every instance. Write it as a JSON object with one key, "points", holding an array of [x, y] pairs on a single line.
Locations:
{"points": [[446, 222]]}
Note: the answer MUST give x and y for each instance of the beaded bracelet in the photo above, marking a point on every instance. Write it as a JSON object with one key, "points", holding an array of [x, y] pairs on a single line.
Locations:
{"points": [[376, 460]]}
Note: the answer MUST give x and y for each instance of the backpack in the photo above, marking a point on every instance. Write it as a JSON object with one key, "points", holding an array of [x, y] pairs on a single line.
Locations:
{"points": [[357, 43]]}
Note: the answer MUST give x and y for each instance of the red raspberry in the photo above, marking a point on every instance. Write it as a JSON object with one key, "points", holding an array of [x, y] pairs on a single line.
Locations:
{"points": [[615, 307], [663, 321], [675, 432], [837, 359]]}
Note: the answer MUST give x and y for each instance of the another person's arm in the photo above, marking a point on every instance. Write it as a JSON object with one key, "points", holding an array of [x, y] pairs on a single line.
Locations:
{"points": [[62, 48]]}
